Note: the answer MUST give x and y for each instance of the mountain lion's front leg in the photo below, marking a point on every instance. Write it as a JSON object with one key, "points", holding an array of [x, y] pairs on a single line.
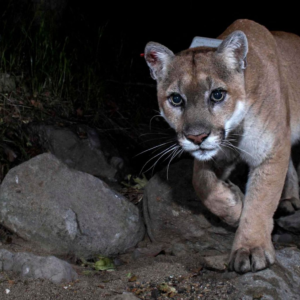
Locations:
{"points": [[224, 199], [252, 247]]}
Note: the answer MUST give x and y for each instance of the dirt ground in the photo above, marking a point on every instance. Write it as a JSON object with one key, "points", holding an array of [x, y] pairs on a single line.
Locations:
{"points": [[160, 277]]}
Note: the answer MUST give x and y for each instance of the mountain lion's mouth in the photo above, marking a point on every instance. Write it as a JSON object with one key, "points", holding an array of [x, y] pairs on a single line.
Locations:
{"points": [[204, 154], [206, 149], [201, 150]]}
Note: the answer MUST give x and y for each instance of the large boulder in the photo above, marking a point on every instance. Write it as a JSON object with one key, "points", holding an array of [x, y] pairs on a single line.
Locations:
{"points": [[174, 214], [66, 211], [31, 266]]}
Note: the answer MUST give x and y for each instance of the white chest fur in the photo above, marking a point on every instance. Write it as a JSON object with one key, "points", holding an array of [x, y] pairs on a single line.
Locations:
{"points": [[256, 143]]}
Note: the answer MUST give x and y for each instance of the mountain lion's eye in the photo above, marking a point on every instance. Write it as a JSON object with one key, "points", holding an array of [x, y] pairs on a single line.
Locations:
{"points": [[176, 100], [217, 95]]}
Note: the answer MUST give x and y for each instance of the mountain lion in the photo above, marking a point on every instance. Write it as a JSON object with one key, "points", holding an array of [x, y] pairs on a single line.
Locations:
{"points": [[239, 101]]}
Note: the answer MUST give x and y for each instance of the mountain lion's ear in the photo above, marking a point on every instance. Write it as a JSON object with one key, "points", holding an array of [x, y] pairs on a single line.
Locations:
{"points": [[157, 57], [234, 50]]}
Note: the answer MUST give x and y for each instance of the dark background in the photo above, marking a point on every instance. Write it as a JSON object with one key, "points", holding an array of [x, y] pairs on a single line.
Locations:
{"points": [[128, 27], [177, 24], [106, 38]]}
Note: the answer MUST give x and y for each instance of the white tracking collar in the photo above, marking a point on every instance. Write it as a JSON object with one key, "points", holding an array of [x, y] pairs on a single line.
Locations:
{"points": [[199, 41]]}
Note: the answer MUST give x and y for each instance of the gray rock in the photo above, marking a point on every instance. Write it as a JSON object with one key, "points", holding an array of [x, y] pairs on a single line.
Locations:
{"points": [[290, 223], [286, 238], [216, 262], [37, 267], [281, 281], [89, 155], [179, 249], [175, 215], [67, 211], [124, 296], [7, 83]]}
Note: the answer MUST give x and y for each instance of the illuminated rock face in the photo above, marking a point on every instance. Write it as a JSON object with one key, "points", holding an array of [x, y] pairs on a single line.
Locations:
{"points": [[66, 211]]}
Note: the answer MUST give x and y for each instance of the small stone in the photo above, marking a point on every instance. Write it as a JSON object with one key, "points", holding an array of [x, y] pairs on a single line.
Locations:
{"points": [[125, 296], [216, 263], [7, 83], [290, 223], [38, 267]]}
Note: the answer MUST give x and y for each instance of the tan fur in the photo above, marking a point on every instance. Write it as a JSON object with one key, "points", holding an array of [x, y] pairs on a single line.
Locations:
{"points": [[260, 117]]}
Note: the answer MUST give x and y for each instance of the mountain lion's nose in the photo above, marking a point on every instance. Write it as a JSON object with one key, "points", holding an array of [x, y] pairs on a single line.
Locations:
{"points": [[197, 139]]}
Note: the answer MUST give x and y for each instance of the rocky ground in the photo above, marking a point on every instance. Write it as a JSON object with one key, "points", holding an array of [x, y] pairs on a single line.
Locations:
{"points": [[160, 277], [147, 278], [187, 258]]}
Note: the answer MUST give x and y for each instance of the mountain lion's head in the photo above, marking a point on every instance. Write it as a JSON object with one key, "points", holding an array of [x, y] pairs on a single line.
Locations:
{"points": [[201, 92]]}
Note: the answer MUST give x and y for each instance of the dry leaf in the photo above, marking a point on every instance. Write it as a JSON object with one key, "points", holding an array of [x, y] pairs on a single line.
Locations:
{"points": [[132, 278]]}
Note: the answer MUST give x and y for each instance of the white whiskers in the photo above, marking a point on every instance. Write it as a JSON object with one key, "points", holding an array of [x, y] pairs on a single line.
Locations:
{"points": [[160, 145], [161, 155], [153, 118], [176, 152], [228, 144]]}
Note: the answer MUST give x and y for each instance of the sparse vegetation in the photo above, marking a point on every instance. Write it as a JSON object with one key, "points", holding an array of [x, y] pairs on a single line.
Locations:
{"points": [[66, 76]]}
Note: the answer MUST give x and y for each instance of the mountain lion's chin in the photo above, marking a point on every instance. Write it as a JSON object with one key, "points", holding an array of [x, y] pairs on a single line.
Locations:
{"points": [[204, 155]]}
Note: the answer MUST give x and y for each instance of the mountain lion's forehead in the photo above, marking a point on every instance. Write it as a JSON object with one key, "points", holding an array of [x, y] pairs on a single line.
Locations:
{"points": [[192, 63], [200, 79], [197, 61], [192, 60]]}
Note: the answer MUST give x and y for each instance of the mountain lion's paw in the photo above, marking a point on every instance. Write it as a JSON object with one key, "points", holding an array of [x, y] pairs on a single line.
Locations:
{"points": [[245, 260], [287, 207]]}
